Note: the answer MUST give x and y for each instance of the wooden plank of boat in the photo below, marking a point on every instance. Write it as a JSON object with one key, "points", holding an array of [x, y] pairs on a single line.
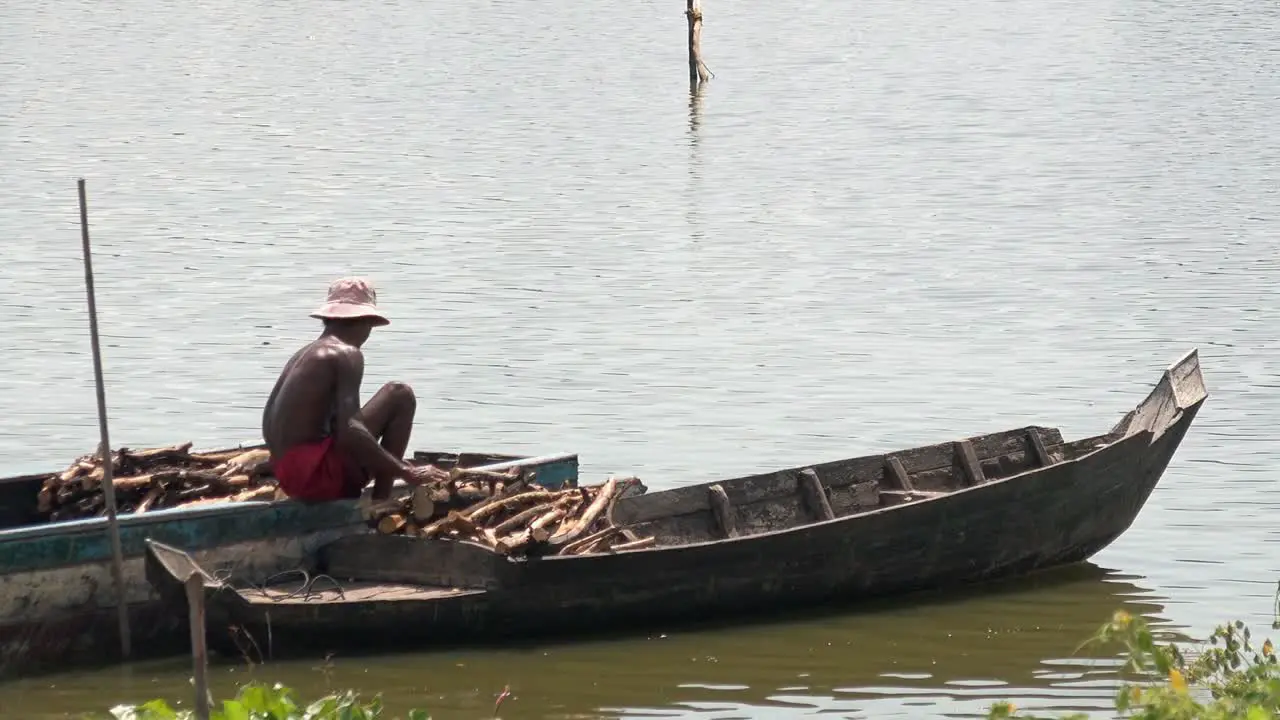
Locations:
{"points": [[56, 599], [981, 508]]}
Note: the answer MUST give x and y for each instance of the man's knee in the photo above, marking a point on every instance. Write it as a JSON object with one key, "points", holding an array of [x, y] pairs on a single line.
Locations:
{"points": [[401, 393]]}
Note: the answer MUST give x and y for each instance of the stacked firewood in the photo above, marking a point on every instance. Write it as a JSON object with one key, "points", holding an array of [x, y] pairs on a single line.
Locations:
{"points": [[510, 517], [157, 478]]}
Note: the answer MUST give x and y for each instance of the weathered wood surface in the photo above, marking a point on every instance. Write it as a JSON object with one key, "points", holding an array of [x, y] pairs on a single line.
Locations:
{"points": [[815, 495], [968, 460], [725, 516], [698, 73], [1038, 450], [898, 474], [932, 467]]}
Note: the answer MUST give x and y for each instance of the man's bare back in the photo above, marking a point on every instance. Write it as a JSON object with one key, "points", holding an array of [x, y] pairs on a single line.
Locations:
{"points": [[323, 444]]}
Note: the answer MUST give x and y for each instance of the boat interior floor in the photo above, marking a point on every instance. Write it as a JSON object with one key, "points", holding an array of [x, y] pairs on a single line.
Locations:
{"points": [[322, 590], [798, 496]]}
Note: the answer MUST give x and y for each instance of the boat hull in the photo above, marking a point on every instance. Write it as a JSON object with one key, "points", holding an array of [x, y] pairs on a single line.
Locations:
{"points": [[1079, 499]]}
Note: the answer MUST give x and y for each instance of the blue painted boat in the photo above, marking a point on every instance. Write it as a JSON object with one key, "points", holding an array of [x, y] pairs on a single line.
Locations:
{"points": [[57, 596]]}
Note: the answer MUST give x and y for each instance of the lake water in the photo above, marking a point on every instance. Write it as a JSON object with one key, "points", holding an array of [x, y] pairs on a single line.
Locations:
{"points": [[880, 226]]}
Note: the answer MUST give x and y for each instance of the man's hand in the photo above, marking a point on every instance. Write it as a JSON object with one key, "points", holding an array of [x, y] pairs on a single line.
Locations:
{"points": [[424, 474]]}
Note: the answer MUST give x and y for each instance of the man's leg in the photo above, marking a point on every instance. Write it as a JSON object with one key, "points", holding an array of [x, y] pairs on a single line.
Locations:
{"points": [[389, 416]]}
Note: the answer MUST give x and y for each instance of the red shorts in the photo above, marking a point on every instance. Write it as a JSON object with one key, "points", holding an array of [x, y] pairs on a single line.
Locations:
{"points": [[317, 472]]}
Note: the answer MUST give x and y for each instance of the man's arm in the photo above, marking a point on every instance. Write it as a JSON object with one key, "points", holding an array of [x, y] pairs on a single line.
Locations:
{"points": [[350, 431]]}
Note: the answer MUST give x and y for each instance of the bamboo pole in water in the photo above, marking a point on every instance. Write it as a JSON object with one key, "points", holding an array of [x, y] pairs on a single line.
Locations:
{"points": [[199, 653], [698, 73], [108, 487]]}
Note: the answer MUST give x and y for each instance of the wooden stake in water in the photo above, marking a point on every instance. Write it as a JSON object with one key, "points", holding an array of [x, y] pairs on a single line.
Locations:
{"points": [[108, 486], [199, 653], [698, 73]]}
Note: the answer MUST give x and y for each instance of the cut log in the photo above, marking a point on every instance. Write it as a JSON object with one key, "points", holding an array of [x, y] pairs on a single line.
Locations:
{"points": [[153, 495], [259, 493], [250, 463], [68, 493], [391, 524], [135, 482], [574, 506], [454, 521], [624, 485], [599, 543], [179, 451], [593, 511], [636, 545], [423, 506], [470, 493], [91, 504], [496, 505], [77, 469], [92, 478], [47, 498], [520, 519], [235, 482], [512, 543], [188, 477], [539, 529], [216, 458], [373, 511], [198, 491], [576, 546]]}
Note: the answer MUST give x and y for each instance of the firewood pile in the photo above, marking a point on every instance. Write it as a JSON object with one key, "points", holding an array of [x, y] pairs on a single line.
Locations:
{"points": [[511, 517], [157, 478]]}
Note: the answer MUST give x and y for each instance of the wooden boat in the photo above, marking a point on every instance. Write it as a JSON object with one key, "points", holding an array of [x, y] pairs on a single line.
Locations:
{"points": [[57, 596], [932, 517]]}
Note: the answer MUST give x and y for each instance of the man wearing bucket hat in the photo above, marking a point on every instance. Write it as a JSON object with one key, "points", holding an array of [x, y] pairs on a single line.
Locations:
{"points": [[324, 445]]}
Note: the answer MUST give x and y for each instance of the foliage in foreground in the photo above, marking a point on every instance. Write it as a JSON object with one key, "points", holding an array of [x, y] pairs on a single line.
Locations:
{"points": [[1228, 679], [256, 701]]}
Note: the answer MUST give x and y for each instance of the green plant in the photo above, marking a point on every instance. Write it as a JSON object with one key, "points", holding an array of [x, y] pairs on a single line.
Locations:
{"points": [[256, 701], [1229, 678]]}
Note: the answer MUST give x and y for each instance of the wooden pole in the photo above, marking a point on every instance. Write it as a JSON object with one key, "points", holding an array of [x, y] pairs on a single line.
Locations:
{"points": [[199, 653], [698, 73], [108, 487]]}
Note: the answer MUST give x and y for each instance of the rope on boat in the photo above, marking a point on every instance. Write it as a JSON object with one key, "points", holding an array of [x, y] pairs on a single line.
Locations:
{"points": [[305, 591]]}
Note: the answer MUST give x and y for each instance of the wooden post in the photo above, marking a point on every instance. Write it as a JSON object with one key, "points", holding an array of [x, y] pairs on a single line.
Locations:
{"points": [[108, 486], [199, 653], [698, 73]]}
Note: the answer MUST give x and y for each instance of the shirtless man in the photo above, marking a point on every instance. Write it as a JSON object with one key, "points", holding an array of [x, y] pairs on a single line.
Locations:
{"points": [[324, 445]]}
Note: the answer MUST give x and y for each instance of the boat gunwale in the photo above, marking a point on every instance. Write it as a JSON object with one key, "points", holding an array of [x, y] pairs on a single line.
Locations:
{"points": [[844, 518], [1121, 436]]}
